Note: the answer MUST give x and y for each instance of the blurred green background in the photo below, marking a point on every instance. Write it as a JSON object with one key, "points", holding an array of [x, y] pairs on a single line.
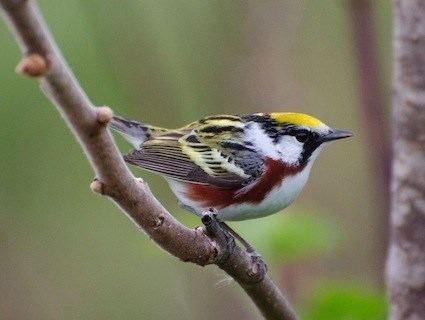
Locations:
{"points": [[66, 253]]}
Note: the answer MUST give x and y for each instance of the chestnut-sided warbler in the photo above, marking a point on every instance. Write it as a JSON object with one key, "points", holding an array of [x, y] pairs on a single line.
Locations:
{"points": [[244, 167]]}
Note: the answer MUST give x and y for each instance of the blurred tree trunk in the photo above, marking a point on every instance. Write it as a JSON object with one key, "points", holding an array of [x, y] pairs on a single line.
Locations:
{"points": [[267, 72], [375, 118], [406, 261]]}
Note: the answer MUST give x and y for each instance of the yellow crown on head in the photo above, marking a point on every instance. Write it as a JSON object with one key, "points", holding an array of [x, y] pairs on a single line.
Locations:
{"points": [[299, 119]]}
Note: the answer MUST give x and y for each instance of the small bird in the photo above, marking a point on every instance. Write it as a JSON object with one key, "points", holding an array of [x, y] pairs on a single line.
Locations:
{"points": [[242, 166]]}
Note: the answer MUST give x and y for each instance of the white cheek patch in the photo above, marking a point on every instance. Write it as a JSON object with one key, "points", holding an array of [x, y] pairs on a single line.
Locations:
{"points": [[261, 141], [290, 149]]}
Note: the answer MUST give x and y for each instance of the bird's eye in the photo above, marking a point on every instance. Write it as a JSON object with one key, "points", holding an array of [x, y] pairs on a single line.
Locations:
{"points": [[302, 137]]}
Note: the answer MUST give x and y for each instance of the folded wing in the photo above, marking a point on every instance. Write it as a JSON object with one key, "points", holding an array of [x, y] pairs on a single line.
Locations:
{"points": [[196, 156]]}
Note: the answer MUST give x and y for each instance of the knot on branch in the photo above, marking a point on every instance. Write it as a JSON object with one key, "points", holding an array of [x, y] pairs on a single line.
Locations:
{"points": [[257, 270], [159, 221], [208, 252], [33, 65]]}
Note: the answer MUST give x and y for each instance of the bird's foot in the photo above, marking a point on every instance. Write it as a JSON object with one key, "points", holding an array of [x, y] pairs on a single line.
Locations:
{"points": [[259, 268], [215, 230], [225, 237]]}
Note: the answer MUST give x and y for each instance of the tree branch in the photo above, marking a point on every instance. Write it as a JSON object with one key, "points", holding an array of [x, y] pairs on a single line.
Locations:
{"points": [[43, 59]]}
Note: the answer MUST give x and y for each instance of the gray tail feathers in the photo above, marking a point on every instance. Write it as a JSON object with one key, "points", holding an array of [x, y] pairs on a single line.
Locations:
{"points": [[134, 132]]}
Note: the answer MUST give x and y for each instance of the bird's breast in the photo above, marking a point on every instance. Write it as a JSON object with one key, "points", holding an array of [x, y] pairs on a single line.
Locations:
{"points": [[275, 189]]}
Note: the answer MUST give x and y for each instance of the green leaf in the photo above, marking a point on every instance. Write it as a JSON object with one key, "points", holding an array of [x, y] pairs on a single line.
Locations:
{"points": [[342, 301]]}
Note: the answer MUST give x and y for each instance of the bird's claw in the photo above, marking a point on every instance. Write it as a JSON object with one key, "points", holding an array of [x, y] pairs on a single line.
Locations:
{"points": [[222, 236], [225, 237]]}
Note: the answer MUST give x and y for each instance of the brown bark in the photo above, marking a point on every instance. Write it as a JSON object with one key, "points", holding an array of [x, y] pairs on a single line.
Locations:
{"points": [[89, 125], [406, 261]]}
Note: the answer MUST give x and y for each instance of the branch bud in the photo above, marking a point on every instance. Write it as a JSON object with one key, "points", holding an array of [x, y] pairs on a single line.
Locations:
{"points": [[96, 186], [104, 115], [33, 65]]}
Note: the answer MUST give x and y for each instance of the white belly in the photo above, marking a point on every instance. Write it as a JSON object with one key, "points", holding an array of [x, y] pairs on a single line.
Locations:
{"points": [[279, 198]]}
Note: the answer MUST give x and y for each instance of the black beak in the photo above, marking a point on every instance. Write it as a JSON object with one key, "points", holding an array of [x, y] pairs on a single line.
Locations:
{"points": [[336, 134]]}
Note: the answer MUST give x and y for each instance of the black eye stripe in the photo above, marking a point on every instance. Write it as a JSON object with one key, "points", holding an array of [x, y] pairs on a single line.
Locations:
{"points": [[298, 132], [302, 137]]}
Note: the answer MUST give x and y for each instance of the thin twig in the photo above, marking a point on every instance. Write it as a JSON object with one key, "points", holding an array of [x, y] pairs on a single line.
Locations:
{"points": [[43, 59]]}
